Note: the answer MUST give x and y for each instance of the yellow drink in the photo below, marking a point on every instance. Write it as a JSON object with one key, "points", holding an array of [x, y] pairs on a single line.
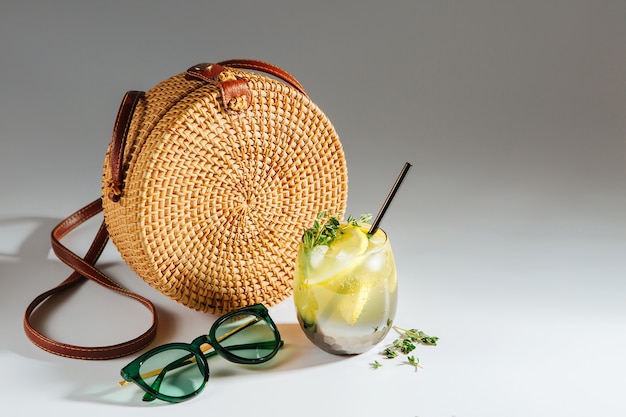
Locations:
{"points": [[346, 292]]}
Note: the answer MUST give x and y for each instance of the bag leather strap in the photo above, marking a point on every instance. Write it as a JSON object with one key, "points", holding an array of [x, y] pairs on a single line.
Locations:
{"points": [[84, 268], [118, 143]]}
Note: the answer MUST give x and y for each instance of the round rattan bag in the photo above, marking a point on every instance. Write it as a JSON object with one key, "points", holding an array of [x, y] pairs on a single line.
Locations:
{"points": [[211, 178]]}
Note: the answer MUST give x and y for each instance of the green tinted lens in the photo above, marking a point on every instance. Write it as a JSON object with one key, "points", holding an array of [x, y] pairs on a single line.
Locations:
{"points": [[247, 337], [173, 373]]}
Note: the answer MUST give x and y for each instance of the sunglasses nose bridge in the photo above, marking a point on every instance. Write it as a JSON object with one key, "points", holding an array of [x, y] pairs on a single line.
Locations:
{"points": [[202, 343], [201, 340]]}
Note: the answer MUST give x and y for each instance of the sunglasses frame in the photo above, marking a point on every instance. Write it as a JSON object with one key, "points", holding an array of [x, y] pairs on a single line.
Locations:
{"points": [[131, 372]]}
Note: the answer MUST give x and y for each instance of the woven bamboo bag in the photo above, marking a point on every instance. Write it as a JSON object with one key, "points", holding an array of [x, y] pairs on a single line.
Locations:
{"points": [[219, 186], [208, 183]]}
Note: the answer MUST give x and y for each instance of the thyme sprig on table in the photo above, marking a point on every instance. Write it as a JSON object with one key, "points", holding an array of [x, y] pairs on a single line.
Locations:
{"points": [[405, 344], [415, 362], [326, 229]]}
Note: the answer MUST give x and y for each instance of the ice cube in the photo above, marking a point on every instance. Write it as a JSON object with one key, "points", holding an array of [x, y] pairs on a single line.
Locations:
{"points": [[376, 262], [317, 255], [378, 239]]}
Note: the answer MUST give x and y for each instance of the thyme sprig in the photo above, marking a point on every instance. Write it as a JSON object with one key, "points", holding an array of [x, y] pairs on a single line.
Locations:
{"points": [[405, 344], [417, 336], [414, 362], [326, 228]]}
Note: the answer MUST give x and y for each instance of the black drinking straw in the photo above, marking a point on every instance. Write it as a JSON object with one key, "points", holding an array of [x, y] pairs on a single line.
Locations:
{"points": [[390, 196]]}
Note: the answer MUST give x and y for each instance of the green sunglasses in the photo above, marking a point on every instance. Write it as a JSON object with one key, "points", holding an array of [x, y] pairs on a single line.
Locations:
{"points": [[176, 372]]}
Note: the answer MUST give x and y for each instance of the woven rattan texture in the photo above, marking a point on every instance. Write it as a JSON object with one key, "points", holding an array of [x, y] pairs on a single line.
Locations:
{"points": [[215, 201]]}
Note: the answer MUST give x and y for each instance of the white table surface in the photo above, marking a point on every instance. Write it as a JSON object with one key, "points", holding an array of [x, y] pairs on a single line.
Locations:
{"points": [[509, 231]]}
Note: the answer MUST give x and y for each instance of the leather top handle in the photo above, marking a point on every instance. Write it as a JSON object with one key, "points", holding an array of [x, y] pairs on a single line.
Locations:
{"points": [[255, 65], [235, 90]]}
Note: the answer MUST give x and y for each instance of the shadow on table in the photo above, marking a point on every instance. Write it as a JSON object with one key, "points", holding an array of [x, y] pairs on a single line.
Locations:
{"points": [[297, 354], [77, 315], [27, 268]]}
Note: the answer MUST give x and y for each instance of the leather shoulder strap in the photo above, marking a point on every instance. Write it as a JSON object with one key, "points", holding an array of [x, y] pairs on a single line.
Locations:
{"points": [[118, 142], [84, 268]]}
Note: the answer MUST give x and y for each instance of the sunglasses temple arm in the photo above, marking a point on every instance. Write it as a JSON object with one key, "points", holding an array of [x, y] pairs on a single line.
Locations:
{"points": [[238, 329], [269, 344]]}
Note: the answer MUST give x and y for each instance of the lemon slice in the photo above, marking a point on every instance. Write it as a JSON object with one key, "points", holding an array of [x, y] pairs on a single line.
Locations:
{"points": [[352, 307], [342, 256], [353, 241], [377, 239]]}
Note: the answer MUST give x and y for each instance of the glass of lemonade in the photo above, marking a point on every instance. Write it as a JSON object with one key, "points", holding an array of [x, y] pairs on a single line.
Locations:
{"points": [[345, 286]]}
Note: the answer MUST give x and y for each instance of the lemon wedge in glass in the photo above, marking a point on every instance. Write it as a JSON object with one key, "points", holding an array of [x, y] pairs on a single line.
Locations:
{"points": [[330, 264]]}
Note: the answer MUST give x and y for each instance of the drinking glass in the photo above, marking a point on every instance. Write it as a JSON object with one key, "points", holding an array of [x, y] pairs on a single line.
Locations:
{"points": [[345, 293]]}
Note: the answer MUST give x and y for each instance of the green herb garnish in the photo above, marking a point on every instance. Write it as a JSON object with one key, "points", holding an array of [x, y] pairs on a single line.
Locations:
{"points": [[406, 343], [417, 336], [376, 365], [414, 362], [390, 353], [326, 229], [363, 218]]}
